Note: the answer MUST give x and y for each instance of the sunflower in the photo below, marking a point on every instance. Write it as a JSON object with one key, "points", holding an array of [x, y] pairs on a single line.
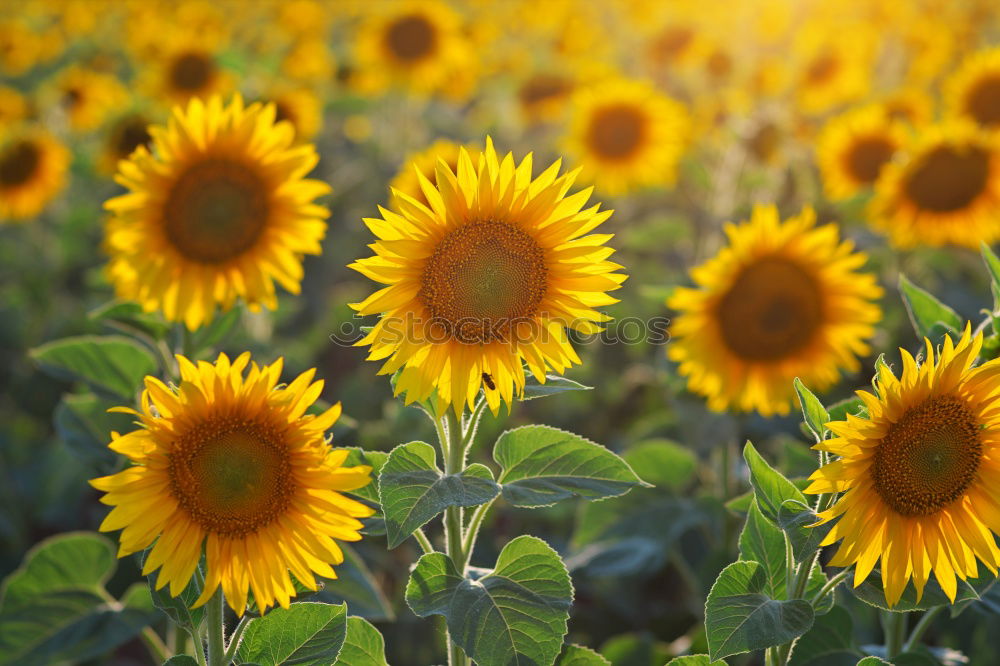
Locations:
{"points": [[947, 191], [32, 172], [853, 147], [415, 45], [974, 89], [408, 183], [86, 96], [911, 105], [626, 135], [784, 300], [230, 461], [834, 67], [13, 106], [301, 108], [543, 96], [188, 69], [309, 60], [21, 47], [920, 473], [125, 134], [488, 276], [219, 209]]}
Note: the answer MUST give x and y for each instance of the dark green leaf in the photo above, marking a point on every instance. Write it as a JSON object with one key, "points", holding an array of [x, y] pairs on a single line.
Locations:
{"points": [[178, 608], [794, 517], [83, 422], [830, 642], [813, 412], [925, 310], [542, 465], [771, 489], [374, 459], [514, 614], [762, 542], [128, 316], [992, 264], [695, 660], [356, 586], [364, 645], [212, 333], [553, 384], [181, 660], [839, 410], [307, 634], [412, 489], [873, 661], [969, 591], [740, 618], [577, 655], [638, 649], [113, 366], [663, 463]]}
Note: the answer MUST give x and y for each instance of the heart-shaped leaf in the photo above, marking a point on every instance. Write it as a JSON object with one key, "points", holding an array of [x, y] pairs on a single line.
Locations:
{"points": [[306, 634]]}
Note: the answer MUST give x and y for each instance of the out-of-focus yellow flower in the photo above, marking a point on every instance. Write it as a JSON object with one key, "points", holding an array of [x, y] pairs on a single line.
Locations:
{"points": [[834, 66], [86, 97], [310, 60], [785, 299], [407, 182], [854, 147], [32, 172], [300, 107], [124, 135], [21, 48], [973, 91], [908, 104], [13, 107], [946, 191], [544, 96], [625, 134], [186, 70]]}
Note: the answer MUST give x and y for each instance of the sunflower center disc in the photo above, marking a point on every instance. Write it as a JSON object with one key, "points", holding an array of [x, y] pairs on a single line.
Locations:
{"points": [[773, 309], [867, 157], [410, 38], [18, 163], [948, 179], [822, 69], [191, 71], [763, 143], [928, 458], [216, 211], [543, 87], [231, 475], [984, 101], [132, 133], [616, 131], [483, 278]]}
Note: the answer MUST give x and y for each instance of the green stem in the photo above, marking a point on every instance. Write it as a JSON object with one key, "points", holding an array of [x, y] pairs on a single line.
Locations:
{"points": [[154, 644], [472, 531], [926, 620], [453, 446], [234, 641], [422, 539], [894, 625], [839, 578], [216, 630]]}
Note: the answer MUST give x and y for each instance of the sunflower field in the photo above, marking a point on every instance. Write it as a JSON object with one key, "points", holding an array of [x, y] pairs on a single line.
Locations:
{"points": [[500, 332]]}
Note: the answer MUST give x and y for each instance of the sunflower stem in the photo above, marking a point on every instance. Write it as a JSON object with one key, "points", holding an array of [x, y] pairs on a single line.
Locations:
{"points": [[830, 585], [925, 622], [216, 630], [154, 644], [425, 543], [894, 626], [472, 531], [234, 640], [453, 445]]}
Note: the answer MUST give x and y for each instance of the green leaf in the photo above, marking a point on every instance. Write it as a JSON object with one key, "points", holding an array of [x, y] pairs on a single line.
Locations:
{"points": [[181, 660], [740, 618], [413, 490], [695, 660], [577, 655], [992, 264], [178, 608], [374, 459], [212, 333], [830, 642], [514, 614], [113, 366], [794, 518], [770, 487], [356, 586], [128, 316], [83, 422], [635, 649], [553, 384], [663, 463], [306, 634], [363, 646], [542, 465], [762, 542], [873, 661], [54, 608], [813, 412], [925, 310], [871, 592], [839, 410]]}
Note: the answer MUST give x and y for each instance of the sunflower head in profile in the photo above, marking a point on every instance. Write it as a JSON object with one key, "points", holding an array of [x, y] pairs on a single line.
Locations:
{"points": [[785, 299], [425, 162], [854, 147], [627, 135], [418, 46], [486, 277], [32, 172], [919, 474], [220, 209], [945, 192], [973, 91], [229, 461], [86, 97]]}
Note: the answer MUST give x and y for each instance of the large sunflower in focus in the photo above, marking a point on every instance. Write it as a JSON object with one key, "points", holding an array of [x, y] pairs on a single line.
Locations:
{"points": [[417, 46], [784, 300], [625, 134], [32, 171], [219, 209], [920, 473], [947, 191], [854, 147], [486, 277], [230, 461], [974, 89]]}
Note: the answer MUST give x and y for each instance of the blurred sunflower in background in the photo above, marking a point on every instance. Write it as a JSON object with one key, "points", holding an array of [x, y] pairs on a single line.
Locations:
{"points": [[626, 135], [909, 105], [919, 473], [13, 107], [486, 278], [186, 70], [945, 192], [219, 210], [973, 91], [853, 148], [229, 462], [300, 107], [834, 66], [33, 167], [86, 97], [407, 181], [124, 135], [785, 299]]}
